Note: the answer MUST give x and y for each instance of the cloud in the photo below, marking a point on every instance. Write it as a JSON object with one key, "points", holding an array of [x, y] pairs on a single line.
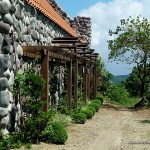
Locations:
{"points": [[107, 15]]}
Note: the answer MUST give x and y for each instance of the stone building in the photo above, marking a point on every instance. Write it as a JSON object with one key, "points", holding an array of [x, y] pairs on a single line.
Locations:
{"points": [[30, 22]]}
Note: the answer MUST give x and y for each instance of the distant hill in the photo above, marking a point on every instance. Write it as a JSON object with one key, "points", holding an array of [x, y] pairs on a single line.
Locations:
{"points": [[119, 78]]}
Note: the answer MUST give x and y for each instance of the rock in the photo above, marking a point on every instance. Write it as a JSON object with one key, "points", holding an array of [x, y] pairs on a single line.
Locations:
{"points": [[1, 38], [6, 44], [19, 51], [8, 19], [10, 106], [3, 112], [5, 6], [4, 131], [11, 100], [29, 29], [4, 61], [18, 12], [3, 83], [11, 49], [4, 98], [4, 27], [34, 34], [12, 1], [7, 74], [11, 62], [12, 8], [27, 38], [27, 21], [4, 121], [11, 79], [6, 40]]}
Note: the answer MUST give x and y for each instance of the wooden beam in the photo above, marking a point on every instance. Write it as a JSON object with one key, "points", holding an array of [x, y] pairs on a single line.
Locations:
{"points": [[65, 41], [69, 85], [44, 73], [66, 38]]}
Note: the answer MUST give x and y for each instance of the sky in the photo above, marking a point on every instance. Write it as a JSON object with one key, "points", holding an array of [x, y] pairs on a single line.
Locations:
{"points": [[105, 15]]}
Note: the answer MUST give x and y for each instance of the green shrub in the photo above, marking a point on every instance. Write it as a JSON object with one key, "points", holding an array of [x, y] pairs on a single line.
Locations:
{"points": [[95, 105], [92, 108], [118, 93], [100, 98], [79, 118], [62, 107], [96, 101], [64, 119], [10, 142], [89, 113], [55, 132]]}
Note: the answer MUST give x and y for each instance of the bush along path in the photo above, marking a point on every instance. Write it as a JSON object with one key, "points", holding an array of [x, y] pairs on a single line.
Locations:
{"points": [[109, 129], [49, 127], [40, 126]]}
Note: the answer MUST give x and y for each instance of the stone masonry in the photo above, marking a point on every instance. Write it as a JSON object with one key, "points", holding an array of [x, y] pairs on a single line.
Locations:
{"points": [[22, 24]]}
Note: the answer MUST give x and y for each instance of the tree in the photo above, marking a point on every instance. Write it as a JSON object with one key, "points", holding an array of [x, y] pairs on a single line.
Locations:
{"points": [[131, 44], [103, 76], [133, 83]]}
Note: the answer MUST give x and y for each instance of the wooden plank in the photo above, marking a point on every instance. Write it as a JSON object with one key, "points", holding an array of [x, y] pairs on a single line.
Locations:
{"points": [[44, 73], [66, 38], [76, 81], [69, 85], [65, 41]]}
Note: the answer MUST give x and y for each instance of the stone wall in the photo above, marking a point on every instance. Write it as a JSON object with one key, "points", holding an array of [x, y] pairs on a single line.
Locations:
{"points": [[20, 24], [82, 25]]}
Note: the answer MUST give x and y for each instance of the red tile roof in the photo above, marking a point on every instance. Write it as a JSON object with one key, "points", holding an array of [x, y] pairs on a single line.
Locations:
{"points": [[48, 11]]}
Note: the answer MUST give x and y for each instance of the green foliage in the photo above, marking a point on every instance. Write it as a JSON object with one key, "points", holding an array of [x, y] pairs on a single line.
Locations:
{"points": [[55, 132], [133, 84], [119, 79], [95, 105], [89, 113], [64, 119], [100, 98], [63, 107], [92, 108], [103, 76], [10, 142], [30, 85], [117, 93], [33, 127], [96, 101], [131, 45], [79, 118]]}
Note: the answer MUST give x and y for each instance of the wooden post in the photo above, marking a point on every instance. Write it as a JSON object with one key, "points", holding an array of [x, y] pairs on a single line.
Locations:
{"points": [[44, 73], [91, 81], [85, 82], [81, 76], [76, 81], [69, 84], [95, 81]]}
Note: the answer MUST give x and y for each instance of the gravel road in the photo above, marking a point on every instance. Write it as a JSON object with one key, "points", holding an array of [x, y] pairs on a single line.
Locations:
{"points": [[110, 129]]}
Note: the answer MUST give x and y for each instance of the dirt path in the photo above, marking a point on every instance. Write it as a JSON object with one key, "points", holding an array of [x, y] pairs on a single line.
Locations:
{"points": [[110, 129]]}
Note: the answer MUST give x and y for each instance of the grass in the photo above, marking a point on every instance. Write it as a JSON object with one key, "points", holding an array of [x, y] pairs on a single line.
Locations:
{"points": [[128, 104]]}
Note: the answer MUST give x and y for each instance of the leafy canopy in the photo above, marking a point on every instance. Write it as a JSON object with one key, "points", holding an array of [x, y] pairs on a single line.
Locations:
{"points": [[131, 41]]}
